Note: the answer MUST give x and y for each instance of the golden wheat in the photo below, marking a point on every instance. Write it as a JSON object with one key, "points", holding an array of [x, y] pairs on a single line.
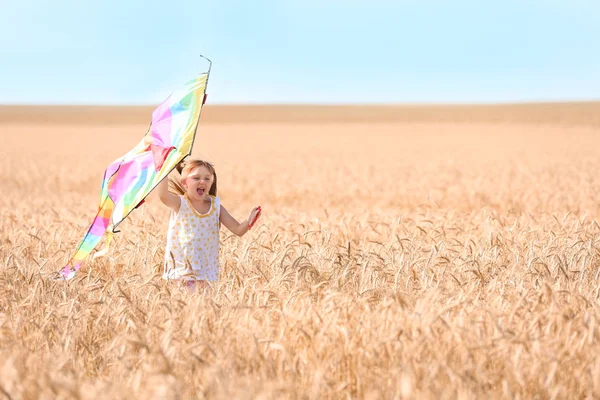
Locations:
{"points": [[393, 260]]}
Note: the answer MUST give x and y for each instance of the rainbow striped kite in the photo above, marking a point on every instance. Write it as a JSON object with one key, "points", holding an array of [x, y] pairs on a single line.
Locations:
{"points": [[129, 179]]}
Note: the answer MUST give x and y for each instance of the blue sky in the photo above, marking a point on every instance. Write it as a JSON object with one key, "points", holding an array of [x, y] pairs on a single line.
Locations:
{"points": [[323, 52]]}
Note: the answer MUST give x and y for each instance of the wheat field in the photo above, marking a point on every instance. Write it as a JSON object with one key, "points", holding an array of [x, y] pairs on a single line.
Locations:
{"points": [[418, 257]]}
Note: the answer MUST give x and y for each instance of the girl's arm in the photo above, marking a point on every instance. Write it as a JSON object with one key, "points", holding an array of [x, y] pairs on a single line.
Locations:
{"points": [[168, 198], [238, 229]]}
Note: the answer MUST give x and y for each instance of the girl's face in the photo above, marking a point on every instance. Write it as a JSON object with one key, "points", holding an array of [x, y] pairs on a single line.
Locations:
{"points": [[198, 183]]}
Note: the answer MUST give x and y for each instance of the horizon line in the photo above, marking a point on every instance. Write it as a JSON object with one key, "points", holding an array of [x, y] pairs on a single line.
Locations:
{"points": [[316, 104]]}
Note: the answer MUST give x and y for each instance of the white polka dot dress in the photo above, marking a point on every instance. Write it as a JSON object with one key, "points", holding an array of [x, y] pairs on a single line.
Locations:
{"points": [[193, 242]]}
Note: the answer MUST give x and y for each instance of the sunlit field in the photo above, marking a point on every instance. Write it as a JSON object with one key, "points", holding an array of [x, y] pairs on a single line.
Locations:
{"points": [[398, 256]]}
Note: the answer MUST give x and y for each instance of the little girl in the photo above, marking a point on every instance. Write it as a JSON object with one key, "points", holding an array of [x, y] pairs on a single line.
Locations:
{"points": [[192, 253]]}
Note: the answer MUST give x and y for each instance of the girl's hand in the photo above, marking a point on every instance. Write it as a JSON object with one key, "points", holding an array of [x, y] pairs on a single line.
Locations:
{"points": [[254, 215]]}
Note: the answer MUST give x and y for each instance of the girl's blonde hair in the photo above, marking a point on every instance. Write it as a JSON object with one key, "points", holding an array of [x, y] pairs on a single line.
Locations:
{"points": [[184, 168]]}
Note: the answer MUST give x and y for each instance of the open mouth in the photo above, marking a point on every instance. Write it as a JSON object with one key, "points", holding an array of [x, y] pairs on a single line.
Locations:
{"points": [[200, 191]]}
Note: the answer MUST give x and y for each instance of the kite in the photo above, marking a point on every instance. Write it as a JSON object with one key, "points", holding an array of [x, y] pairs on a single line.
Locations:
{"points": [[131, 178]]}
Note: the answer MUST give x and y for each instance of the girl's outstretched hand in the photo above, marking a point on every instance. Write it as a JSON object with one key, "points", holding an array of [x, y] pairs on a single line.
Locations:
{"points": [[254, 215]]}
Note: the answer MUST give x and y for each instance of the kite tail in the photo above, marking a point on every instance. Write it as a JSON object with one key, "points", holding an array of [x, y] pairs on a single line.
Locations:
{"points": [[91, 239]]}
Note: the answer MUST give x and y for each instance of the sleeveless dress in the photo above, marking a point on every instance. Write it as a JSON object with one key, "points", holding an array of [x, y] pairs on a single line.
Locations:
{"points": [[193, 242]]}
